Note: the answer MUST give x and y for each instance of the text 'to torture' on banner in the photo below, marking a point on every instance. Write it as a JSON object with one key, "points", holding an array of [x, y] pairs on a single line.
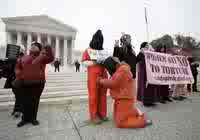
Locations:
{"points": [[167, 69]]}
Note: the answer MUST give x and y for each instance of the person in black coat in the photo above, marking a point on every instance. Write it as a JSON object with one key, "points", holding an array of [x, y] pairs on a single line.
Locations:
{"points": [[145, 93], [163, 90], [194, 69], [57, 65], [77, 65], [189, 86], [126, 53]]}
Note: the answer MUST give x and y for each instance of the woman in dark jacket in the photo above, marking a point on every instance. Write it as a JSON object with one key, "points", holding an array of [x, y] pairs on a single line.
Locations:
{"points": [[163, 90], [30, 80], [145, 93]]}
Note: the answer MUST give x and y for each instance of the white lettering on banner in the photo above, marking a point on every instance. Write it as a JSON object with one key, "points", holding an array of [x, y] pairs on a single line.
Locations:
{"points": [[167, 69]]}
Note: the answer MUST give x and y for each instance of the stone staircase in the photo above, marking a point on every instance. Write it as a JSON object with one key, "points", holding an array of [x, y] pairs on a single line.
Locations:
{"points": [[60, 87]]}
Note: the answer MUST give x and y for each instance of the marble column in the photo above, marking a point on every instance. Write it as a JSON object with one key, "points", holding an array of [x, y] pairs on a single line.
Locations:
{"points": [[19, 38], [70, 51], [48, 39], [73, 43], [57, 48], [29, 41], [65, 52], [9, 37], [39, 38]]}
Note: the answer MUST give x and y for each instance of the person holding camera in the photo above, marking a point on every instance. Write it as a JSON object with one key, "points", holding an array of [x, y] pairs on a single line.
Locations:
{"points": [[17, 110]]}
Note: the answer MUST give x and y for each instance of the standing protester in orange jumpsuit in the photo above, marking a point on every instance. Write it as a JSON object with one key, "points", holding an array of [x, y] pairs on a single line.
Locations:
{"points": [[122, 89], [97, 97]]}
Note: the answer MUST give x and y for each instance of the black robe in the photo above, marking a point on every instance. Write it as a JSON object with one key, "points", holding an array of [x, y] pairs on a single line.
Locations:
{"points": [[145, 93]]}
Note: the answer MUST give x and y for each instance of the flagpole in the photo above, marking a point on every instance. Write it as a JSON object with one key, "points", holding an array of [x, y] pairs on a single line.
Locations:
{"points": [[146, 21]]}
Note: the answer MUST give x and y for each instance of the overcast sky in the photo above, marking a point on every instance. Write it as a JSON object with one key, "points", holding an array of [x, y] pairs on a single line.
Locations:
{"points": [[113, 17]]}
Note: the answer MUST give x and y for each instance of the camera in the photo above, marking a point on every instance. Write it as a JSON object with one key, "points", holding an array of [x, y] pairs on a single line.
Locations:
{"points": [[7, 64]]}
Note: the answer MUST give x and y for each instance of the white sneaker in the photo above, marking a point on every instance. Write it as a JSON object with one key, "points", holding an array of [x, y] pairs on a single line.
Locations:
{"points": [[149, 122]]}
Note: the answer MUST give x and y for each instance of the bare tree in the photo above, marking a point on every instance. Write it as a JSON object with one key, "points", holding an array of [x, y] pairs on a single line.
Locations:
{"points": [[186, 41], [166, 40]]}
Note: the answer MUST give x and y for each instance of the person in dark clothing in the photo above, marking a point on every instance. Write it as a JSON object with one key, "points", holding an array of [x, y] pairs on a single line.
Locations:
{"points": [[8, 84], [194, 69], [17, 110], [163, 90], [57, 65], [189, 86], [127, 54], [77, 65], [30, 80], [145, 93]]}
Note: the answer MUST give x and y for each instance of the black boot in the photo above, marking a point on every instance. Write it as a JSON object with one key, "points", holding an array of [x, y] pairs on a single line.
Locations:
{"points": [[168, 99], [13, 113], [178, 98], [183, 98], [195, 90], [35, 122], [162, 101], [149, 104]]}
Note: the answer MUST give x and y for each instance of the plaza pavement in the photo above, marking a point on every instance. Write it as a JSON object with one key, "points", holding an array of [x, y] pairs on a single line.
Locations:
{"points": [[173, 121]]}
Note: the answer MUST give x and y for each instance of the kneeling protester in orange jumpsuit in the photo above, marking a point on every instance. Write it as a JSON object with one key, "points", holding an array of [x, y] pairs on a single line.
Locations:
{"points": [[122, 90], [97, 102]]}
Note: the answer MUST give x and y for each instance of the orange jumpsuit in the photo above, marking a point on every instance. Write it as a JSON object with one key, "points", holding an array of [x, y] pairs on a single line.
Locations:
{"points": [[97, 96], [122, 90]]}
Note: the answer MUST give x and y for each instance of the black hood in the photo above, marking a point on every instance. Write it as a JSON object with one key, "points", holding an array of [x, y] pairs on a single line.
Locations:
{"points": [[110, 64]]}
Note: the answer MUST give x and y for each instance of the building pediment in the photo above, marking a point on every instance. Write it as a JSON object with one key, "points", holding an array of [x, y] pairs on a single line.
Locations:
{"points": [[43, 22]]}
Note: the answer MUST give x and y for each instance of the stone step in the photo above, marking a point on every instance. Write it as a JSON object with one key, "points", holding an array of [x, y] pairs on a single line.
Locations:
{"points": [[53, 84], [10, 97], [66, 79], [53, 88], [57, 100], [66, 74], [65, 88], [76, 100], [59, 87], [61, 76]]}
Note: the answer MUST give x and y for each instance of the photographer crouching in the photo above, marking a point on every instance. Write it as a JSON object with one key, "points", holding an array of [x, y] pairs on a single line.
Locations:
{"points": [[17, 110], [30, 80]]}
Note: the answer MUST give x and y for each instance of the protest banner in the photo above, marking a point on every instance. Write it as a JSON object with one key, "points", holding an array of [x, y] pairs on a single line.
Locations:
{"points": [[167, 69]]}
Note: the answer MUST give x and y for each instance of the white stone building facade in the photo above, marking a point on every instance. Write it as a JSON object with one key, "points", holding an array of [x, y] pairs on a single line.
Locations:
{"points": [[43, 29]]}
